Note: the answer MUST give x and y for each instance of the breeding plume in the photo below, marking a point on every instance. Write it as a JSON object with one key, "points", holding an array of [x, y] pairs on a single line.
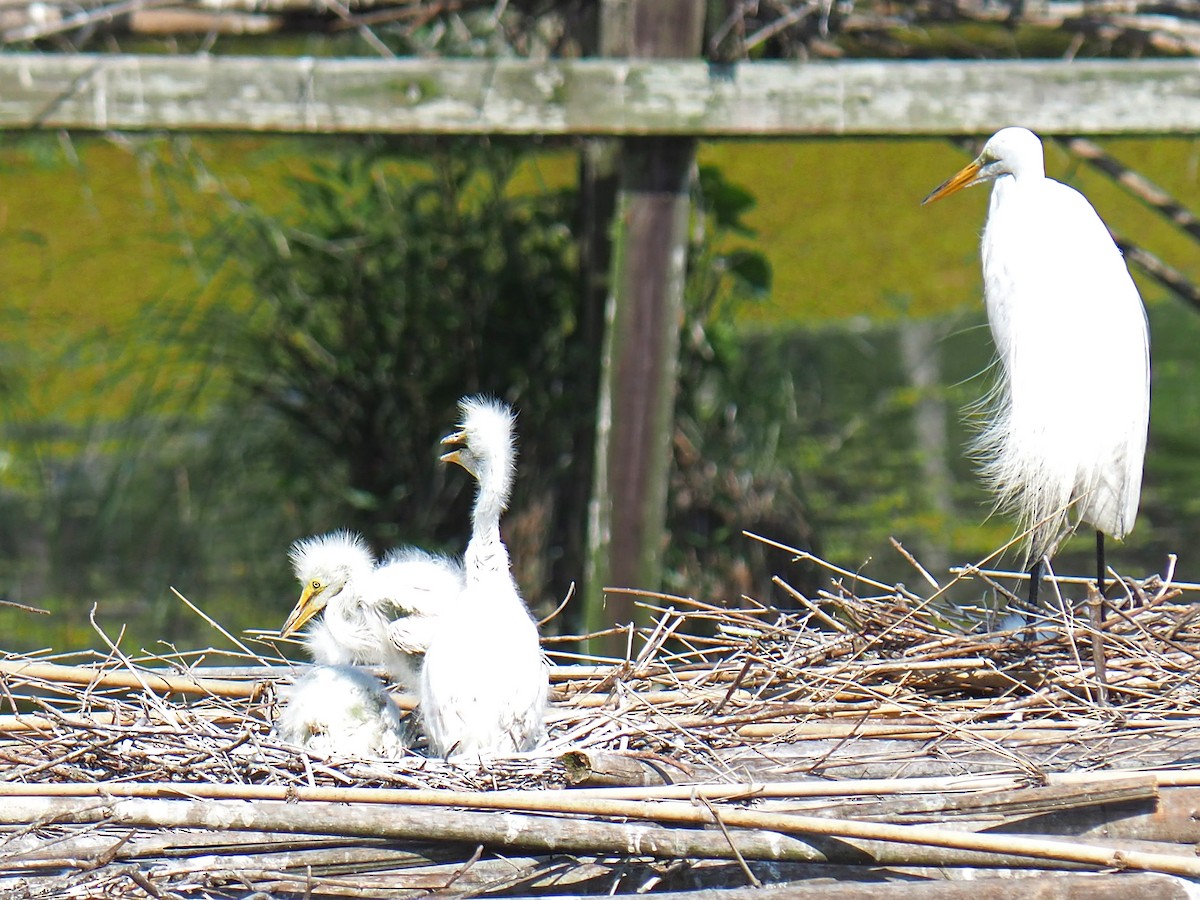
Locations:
{"points": [[341, 711], [484, 682], [373, 615], [1065, 437]]}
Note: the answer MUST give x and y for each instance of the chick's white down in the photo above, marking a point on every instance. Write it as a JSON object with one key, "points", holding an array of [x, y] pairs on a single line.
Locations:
{"points": [[372, 615], [485, 681], [1065, 432], [341, 711]]}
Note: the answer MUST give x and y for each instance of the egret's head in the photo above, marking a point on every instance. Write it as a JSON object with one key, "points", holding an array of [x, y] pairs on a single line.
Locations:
{"points": [[324, 565], [484, 444], [1010, 151]]}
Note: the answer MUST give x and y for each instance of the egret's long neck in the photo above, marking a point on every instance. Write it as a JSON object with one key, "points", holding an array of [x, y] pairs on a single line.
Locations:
{"points": [[486, 553]]}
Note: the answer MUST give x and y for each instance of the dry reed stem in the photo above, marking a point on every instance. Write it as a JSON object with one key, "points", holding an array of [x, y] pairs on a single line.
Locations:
{"points": [[163, 684]]}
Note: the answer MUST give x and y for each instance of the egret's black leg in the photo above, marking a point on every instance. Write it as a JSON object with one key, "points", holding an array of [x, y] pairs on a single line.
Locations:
{"points": [[1035, 582], [1100, 567]]}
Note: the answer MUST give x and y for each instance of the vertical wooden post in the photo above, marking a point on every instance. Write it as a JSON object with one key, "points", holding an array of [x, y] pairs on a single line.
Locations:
{"points": [[642, 317], [921, 356]]}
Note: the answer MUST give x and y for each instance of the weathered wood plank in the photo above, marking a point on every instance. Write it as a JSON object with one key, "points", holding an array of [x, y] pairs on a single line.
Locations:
{"points": [[595, 96]]}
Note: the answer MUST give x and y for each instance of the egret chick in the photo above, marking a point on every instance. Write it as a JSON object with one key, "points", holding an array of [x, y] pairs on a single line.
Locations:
{"points": [[1065, 439], [341, 711], [373, 615], [485, 681]]}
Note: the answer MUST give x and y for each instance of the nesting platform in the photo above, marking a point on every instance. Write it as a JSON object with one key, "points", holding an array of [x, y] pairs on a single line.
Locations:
{"points": [[866, 744]]}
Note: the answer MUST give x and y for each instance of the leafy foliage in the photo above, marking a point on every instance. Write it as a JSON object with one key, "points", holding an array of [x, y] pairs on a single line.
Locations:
{"points": [[392, 289]]}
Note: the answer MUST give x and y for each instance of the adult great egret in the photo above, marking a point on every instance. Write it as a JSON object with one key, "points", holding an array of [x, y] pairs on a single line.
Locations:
{"points": [[485, 681], [373, 615], [1066, 437]]}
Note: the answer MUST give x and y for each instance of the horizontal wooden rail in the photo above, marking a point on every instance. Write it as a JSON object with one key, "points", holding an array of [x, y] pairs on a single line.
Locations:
{"points": [[594, 96]]}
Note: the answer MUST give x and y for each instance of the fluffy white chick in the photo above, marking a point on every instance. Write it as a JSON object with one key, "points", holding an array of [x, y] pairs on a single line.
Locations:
{"points": [[485, 681]]}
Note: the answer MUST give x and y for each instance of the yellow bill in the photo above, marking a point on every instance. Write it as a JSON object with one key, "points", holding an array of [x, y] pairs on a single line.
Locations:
{"points": [[454, 440], [309, 604], [964, 177]]}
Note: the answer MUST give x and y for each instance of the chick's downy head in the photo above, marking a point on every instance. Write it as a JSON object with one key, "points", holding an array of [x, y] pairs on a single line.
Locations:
{"points": [[484, 443], [324, 566]]}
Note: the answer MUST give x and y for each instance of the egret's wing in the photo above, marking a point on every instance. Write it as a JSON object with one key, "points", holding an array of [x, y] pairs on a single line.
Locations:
{"points": [[413, 634], [411, 581]]}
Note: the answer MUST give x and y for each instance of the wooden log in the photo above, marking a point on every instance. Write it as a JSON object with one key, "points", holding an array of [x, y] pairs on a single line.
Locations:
{"points": [[637, 394], [597, 768], [1064, 802], [507, 831], [957, 754], [808, 836], [595, 96], [35, 864], [1174, 817], [502, 830], [1034, 886]]}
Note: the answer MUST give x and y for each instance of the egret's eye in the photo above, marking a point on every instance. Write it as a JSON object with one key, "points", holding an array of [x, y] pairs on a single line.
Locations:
{"points": [[316, 585]]}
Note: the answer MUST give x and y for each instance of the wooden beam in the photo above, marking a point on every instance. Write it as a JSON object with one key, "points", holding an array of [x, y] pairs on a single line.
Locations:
{"points": [[594, 96]]}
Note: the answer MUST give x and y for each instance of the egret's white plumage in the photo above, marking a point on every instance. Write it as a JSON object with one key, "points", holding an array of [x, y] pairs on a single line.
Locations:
{"points": [[373, 615], [1065, 438], [485, 681], [341, 711]]}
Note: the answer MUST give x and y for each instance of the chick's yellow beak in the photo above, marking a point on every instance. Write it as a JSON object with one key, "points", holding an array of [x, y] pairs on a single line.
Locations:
{"points": [[964, 177], [456, 441], [306, 607]]}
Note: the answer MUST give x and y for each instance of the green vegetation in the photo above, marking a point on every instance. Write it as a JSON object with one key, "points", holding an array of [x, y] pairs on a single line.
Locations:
{"points": [[393, 285]]}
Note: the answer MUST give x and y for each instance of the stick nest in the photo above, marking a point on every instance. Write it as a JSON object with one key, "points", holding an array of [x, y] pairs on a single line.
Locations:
{"points": [[702, 684], [863, 682]]}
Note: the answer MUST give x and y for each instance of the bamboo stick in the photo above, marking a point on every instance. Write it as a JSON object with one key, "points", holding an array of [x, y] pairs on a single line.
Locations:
{"points": [[166, 684], [817, 731], [867, 787], [743, 790]]}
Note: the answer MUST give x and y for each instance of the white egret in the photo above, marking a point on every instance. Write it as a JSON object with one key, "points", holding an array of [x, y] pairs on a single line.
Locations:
{"points": [[485, 681], [1065, 438], [341, 711], [373, 615]]}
